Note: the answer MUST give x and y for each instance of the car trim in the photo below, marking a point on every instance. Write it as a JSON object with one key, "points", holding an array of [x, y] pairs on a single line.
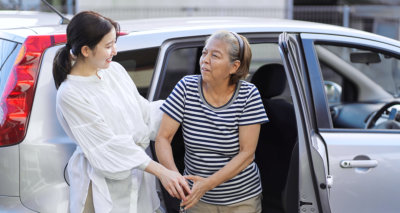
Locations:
{"points": [[321, 109]]}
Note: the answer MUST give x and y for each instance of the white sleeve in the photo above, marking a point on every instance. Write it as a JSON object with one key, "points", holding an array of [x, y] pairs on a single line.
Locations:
{"points": [[113, 155], [152, 113]]}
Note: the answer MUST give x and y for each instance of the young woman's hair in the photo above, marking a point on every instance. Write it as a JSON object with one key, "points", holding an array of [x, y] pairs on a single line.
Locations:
{"points": [[86, 28], [239, 50]]}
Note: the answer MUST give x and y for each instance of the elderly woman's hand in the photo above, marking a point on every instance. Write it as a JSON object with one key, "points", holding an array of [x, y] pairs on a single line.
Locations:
{"points": [[200, 187]]}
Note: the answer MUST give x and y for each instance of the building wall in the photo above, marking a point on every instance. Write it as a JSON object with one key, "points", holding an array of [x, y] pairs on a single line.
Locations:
{"points": [[127, 9], [183, 3]]}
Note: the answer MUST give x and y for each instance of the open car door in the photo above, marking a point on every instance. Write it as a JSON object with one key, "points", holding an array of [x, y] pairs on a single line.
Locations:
{"points": [[309, 159]]}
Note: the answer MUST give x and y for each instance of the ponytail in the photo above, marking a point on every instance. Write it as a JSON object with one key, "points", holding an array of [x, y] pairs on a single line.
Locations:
{"points": [[61, 65]]}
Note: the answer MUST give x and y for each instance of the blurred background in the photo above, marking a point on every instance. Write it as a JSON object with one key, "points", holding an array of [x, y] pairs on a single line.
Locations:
{"points": [[377, 16]]}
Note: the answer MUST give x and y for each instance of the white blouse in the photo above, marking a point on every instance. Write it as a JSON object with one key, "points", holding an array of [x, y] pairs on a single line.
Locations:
{"points": [[112, 124]]}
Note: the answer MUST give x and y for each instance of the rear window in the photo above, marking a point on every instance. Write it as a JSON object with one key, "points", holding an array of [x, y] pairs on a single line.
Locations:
{"points": [[140, 66], [6, 49], [8, 54]]}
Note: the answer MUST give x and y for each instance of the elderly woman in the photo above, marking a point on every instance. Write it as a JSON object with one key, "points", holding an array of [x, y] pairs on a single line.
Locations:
{"points": [[221, 116]]}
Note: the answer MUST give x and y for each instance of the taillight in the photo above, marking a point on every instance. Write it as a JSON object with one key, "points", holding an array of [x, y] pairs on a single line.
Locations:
{"points": [[17, 97]]}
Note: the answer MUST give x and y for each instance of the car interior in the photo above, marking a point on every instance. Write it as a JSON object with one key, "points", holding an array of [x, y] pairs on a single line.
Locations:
{"points": [[277, 138], [360, 85]]}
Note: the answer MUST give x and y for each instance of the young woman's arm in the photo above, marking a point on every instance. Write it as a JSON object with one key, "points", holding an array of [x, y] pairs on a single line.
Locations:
{"points": [[172, 181]]}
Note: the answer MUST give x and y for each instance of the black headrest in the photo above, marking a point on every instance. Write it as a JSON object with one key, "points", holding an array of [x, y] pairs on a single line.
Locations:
{"points": [[270, 79]]}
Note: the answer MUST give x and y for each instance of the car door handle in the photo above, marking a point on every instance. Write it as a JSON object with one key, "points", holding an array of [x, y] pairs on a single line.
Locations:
{"points": [[358, 163]]}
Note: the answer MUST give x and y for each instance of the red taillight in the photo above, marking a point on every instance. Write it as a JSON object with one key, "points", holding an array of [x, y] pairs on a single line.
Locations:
{"points": [[17, 97]]}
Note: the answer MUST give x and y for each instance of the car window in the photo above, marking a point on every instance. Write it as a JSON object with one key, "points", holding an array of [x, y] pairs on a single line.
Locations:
{"points": [[267, 53], [358, 81], [263, 53], [8, 54], [140, 66], [381, 68], [180, 62], [6, 49]]}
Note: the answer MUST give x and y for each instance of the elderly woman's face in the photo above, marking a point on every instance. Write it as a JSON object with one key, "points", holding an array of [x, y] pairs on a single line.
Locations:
{"points": [[215, 64]]}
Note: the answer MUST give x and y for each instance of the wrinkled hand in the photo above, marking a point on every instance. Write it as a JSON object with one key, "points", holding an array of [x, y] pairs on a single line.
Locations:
{"points": [[200, 187], [175, 184]]}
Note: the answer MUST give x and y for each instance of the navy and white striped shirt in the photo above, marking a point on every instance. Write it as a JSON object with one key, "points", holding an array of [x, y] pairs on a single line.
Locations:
{"points": [[211, 135]]}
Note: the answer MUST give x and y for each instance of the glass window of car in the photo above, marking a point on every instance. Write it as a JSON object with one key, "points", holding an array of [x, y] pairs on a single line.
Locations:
{"points": [[8, 54], [180, 62], [6, 49], [348, 72], [140, 66], [382, 68]]}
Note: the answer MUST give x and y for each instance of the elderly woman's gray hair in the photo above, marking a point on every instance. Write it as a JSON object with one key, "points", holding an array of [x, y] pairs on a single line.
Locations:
{"points": [[234, 52]]}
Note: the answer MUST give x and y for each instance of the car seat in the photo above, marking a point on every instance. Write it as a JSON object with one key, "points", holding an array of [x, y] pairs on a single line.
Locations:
{"points": [[277, 137]]}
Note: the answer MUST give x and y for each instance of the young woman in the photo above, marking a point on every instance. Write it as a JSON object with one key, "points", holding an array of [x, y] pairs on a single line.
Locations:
{"points": [[100, 108], [220, 116]]}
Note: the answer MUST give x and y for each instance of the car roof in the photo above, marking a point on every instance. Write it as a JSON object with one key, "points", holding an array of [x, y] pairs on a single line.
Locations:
{"points": [[207, 25], [17, 25], [42, 23], [11, 19]]}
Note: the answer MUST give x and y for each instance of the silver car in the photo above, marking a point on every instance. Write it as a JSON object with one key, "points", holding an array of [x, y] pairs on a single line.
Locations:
{"points": [[332, 143]]}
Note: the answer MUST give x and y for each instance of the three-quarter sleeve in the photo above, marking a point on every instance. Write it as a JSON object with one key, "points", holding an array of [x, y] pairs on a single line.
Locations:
{"points": [[150, 110], [152, 115], [254, 111], [112, 154]]}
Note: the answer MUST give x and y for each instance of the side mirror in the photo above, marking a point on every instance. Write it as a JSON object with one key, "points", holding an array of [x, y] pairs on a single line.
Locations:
{"points": [[333, 92]]}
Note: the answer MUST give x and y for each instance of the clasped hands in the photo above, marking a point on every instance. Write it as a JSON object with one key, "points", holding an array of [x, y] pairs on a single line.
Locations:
{"points": [[177, 187]]}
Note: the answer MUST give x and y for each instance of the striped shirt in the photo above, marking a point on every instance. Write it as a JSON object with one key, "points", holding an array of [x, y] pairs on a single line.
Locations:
{"points": [[211, 135]]}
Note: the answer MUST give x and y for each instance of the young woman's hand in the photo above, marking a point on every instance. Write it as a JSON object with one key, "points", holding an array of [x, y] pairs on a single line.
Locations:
{"points": [[175, 184], [172, 181], [200, 187]]}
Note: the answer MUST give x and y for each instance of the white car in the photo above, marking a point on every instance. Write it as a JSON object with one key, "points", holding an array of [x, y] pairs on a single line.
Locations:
{"points": [[332, 143]]}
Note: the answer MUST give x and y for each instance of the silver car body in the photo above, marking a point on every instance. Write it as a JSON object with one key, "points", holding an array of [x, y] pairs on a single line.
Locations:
{"points": [[33, 171]]}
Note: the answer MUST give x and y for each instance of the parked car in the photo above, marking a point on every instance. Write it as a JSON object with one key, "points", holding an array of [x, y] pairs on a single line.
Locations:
{"points": [[332, 143]]}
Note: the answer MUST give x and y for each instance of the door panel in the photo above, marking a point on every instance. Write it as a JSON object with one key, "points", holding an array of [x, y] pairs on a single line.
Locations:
{"points": [[364, 189], [364, 163], [311, 163]]}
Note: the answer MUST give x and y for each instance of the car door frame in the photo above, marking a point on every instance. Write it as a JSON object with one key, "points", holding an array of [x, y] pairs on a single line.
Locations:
{"points": [[307, 201], [313, 179]]}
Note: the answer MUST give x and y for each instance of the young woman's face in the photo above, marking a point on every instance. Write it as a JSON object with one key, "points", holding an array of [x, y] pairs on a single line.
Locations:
{"points": [[215, 65], [102, 54]]}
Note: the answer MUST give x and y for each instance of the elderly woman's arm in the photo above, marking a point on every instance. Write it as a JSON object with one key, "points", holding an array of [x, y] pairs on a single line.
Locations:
{"points": [[167, 130], [248, 138]]}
